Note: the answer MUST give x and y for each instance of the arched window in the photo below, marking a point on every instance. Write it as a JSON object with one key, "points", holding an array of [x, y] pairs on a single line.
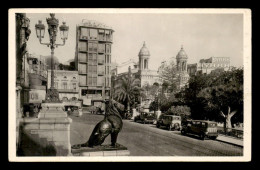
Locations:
{"points": [[145, 64]]}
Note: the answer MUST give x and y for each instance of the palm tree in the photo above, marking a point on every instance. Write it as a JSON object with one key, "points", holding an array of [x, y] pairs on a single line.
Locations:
{"points": [[126, 89]]}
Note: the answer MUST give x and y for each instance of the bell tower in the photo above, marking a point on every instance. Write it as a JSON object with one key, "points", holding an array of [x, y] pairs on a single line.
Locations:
{"points": [[181, 60], [144, 56]]}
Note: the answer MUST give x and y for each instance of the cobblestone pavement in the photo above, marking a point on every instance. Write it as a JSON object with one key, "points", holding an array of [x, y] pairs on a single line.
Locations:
{"points": [[147, 140]]}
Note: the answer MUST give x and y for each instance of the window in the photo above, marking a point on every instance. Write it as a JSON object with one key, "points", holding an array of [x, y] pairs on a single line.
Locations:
{"points": [[84, 33], [101, 59], [64, 85], [92, 81], [90, 58], [94, 59], [101, 48], [82, 80], [95, 47], [82, 57], [107, 60], [74, 86], [101, 35], [101, 69], [92, 47], [107, 48], [56, 85], [93, 33], [82, 46], [82, 68], [107, 32], [100, 81]]}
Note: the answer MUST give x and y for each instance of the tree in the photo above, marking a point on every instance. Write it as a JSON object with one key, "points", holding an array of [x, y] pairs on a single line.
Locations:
{"points": [[224, 95], [168, 74], [126, 90], [183, 111]]}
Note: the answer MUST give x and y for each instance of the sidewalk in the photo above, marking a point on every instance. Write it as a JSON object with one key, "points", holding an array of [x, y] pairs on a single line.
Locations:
{"points": [[231, 140]]}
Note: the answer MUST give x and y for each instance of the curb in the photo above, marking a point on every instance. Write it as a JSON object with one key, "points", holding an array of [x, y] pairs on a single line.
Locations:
{"points": [[230, 143]]}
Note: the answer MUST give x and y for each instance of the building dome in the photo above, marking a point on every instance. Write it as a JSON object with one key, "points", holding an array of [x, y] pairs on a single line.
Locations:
{"points": [[144, 51], [182, 54]]}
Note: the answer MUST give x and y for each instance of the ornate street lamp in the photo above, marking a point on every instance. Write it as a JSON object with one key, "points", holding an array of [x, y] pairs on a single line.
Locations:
{"points": [[52, 95]]}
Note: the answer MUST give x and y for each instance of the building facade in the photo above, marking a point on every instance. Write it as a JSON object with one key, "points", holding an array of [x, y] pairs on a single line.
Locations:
{"points": [[67, 84], [206, 66], [22, 24], [93, 60], [139, 69]]}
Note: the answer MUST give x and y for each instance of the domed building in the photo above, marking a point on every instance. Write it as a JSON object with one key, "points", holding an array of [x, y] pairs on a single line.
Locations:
{"points": [[146, 75], [181, 60]]}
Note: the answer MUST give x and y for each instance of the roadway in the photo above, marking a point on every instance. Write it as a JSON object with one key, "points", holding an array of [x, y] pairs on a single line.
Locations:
{"points": [[147, 140]]}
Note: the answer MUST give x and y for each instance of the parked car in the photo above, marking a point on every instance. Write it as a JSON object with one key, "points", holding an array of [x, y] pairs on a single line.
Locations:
{"points": [[202, 128], [145, 117], [171, 122]]}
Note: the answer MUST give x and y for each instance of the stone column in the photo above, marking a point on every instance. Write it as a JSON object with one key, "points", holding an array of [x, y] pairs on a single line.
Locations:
{"points": [[47, 135]]}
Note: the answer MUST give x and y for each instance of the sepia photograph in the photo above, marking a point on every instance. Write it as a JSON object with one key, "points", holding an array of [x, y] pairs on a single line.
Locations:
{"points": [[128, 85]]}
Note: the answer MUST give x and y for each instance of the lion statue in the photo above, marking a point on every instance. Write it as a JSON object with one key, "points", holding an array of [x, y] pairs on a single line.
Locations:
{"points": [[111, 124]]}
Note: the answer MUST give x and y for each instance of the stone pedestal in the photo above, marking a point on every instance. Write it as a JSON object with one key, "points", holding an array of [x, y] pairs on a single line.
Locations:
{"points": [[52, 110], [103, 150], [47, 135]]}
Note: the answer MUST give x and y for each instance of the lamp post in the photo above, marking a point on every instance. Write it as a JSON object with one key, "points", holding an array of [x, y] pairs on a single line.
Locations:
{"points": [[52, 95]]}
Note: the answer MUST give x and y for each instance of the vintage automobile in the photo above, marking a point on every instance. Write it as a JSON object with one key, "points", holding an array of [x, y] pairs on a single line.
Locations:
{"points": [[145, 117], [202, 128], [171, 122]]}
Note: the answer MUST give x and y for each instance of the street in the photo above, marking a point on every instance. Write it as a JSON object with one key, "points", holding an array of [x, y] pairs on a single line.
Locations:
{"points": [[147, 140]]}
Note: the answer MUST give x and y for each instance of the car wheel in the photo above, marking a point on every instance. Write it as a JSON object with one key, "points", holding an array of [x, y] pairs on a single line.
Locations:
{"points": [[214, 137], [183, 132], [202, 136], [158, 125]]}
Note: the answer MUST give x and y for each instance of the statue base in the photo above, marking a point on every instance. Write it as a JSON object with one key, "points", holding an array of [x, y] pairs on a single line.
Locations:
{"points": [[103, 150]]}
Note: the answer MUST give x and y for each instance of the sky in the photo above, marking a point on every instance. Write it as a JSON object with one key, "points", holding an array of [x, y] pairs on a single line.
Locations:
{"points": [[202, 36]]}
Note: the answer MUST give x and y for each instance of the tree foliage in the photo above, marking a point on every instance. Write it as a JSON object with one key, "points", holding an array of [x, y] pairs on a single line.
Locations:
{"points": [[217, 96], [169, 76], [183, 111], [127, 90]]}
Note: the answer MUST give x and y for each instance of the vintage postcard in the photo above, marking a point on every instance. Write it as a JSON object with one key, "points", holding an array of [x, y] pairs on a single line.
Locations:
{"points": [[113, 85]]}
